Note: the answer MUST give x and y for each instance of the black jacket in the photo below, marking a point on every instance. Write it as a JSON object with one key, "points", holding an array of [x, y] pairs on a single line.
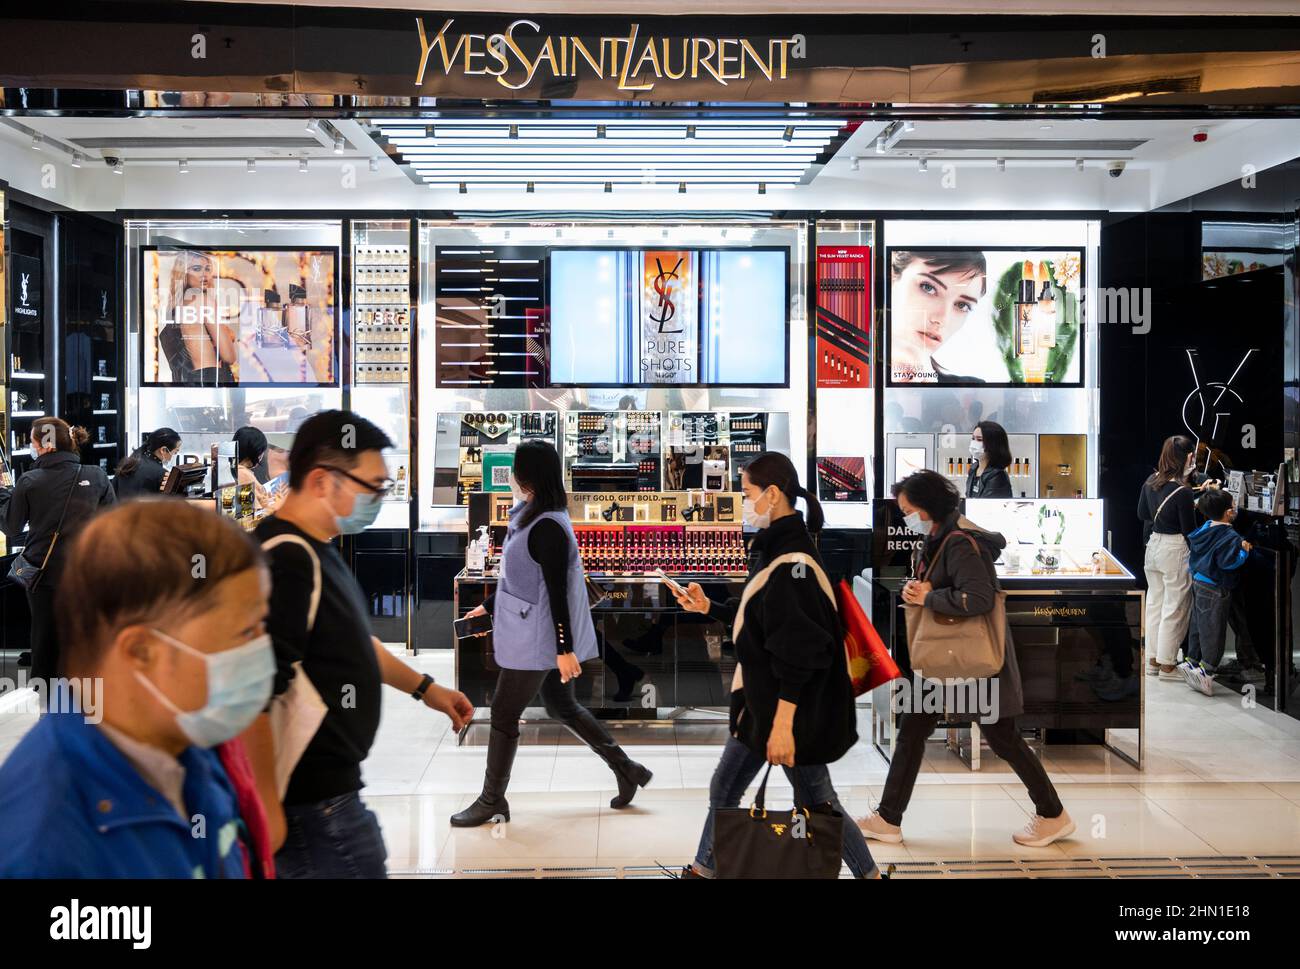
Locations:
{"points": [[791, 648], [988, 483], [145, 480], [964, 583], [36, 502]]}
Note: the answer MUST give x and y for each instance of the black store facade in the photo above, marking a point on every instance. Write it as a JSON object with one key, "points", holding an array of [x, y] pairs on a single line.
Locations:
{"points": [[1144, 172]]}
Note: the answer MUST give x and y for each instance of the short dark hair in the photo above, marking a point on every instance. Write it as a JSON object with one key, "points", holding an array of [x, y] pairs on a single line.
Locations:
{"points": [[250, 444], [1214, 503], [997, 449], [931, 492], [336, 437]]}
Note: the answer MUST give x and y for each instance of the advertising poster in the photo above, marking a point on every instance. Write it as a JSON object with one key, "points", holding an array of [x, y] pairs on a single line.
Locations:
{"points": [[1002, 317], [240, 318], [669, 317], [844, 316]]}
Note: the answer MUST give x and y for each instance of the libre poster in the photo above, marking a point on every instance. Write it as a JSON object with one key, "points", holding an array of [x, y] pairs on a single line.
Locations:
{"points": [[843, 316], [669, 316], [232, 318]]}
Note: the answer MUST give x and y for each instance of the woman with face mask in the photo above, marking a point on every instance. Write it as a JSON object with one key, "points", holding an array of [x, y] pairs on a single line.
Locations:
{"points": [[542, 634], [1167, 508], [120, 779], [956, 577], [791, 701], [990, 457], [142, 472]]}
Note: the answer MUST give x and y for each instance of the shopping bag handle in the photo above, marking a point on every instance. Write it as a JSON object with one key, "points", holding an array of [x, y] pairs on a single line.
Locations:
{"points": [[759, 807]]}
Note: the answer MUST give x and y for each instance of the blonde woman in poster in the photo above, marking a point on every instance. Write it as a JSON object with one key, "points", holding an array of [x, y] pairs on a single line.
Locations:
{"points": [[199, 347]]}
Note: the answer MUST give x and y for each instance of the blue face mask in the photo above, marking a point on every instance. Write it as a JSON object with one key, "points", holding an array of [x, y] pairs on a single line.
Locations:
{"points": [[365, 509], [915, 524], [239, 684]]}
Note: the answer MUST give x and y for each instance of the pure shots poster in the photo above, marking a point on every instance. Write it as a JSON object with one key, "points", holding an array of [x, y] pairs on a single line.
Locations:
{"points": [[669, 317], [985, 316], [262, 317]]}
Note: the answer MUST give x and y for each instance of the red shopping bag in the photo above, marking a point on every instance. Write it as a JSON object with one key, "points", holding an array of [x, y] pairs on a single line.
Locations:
{"points": [[870, 664]]}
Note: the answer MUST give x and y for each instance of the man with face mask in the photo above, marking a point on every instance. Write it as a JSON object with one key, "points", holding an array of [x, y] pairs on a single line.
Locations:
{"points": [[337, 481]]}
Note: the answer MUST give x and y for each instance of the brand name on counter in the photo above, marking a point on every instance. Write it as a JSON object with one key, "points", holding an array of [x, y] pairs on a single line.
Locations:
{"points": [[1060, 611], [634, 61]]}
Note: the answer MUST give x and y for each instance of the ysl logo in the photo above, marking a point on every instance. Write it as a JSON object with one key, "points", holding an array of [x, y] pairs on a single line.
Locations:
{"points": [[315, 268], [1212, 407], [663, 283], [22, 282]]}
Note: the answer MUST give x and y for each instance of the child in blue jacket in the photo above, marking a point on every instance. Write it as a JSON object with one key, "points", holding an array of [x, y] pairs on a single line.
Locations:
{"points": [[1217, 555]]}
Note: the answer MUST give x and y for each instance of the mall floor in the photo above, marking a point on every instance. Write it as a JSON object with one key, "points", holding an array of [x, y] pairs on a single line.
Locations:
{"points": [[1219, 796]]}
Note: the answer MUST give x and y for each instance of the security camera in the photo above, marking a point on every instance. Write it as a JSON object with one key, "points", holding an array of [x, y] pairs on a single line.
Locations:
{"points": [[112, 161], [1115, 169]]}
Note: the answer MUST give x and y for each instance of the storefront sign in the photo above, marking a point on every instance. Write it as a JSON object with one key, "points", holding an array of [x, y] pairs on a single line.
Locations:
{"points": [[520, 53]]}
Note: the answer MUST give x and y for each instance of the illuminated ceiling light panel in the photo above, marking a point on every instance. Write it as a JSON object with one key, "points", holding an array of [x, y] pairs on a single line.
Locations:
{"points": [[642, 151]]}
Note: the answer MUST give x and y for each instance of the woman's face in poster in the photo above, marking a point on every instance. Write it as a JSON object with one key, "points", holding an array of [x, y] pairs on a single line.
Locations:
{"points": [[930, 307], [200, 274]]}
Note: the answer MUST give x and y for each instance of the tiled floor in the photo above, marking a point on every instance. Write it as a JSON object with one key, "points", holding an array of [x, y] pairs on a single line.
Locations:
{"points": [[1219, 780]]}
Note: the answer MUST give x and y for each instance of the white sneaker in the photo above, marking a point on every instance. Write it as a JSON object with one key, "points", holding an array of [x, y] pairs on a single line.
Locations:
{"points": [[1041, 832], [1204, 681], [1188, 671], [878, 829]]}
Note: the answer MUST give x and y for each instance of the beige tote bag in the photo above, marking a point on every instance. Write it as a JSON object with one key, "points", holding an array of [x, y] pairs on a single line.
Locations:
{"points": [[957, 647]]}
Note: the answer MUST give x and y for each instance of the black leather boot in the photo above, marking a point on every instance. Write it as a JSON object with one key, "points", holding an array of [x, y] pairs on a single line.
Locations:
{"points": [[629, 773], [491, 805]]}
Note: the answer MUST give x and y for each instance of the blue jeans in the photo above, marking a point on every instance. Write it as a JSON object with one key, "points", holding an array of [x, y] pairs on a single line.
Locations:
{"points": [[335, 838], [1209, 627], [738, 768]]}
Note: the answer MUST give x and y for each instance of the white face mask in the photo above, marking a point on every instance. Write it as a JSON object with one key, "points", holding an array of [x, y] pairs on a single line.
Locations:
{"points": [[239, 684], [750, 516], [916, 524], [516, 491], [976, 448]]}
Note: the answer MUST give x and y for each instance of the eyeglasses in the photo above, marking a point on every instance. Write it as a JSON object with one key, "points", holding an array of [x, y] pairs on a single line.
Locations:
{"points": [[381, 490]]}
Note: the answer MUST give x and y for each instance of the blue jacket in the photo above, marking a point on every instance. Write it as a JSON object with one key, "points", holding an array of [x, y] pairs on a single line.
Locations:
{"points": [[72, 806], [1216, 555]]}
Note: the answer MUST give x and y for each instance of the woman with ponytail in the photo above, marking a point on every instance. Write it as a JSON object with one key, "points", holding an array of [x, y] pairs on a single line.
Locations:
{"points": [[143, 471], [791, 701]]}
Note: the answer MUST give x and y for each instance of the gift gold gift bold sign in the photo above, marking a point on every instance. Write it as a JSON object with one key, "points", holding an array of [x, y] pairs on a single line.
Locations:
{"points": [[521, 54]]}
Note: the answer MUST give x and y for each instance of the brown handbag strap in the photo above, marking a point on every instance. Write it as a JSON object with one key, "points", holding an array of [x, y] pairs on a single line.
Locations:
{"points": [[974, 544]]}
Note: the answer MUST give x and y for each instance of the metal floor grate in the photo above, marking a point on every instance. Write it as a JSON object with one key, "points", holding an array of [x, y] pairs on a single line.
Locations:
{"points": [[1209, 866]]}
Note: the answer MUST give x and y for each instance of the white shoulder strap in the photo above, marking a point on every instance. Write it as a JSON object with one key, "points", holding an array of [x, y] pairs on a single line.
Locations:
{"points": [[1156, 516], [757, 582], [279, 540]]}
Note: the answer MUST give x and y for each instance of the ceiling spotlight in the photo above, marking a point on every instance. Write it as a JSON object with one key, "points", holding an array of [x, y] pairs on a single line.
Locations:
{"points": [[251, 167], [559, 233], [302, 166], [464, 189], [76, 159], [507, 234], [374, 164], [183, 166], [853, 164], [1078, 164], [338, 144], [788, 134], [880, 146], [923, 166], [909, 126], [529, 188], [313, 126], [665, 233], [609, 187], [690, 131], [724, 233], [1002, 164], [609, 233], [36, 142], [514, 131], [430, 131], [681, 188], [600, 131], [762, 188]]}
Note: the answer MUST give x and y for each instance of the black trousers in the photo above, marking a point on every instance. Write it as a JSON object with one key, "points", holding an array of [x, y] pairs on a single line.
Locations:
{"points": [[516, 689], [44, 634], [1002, 736]]}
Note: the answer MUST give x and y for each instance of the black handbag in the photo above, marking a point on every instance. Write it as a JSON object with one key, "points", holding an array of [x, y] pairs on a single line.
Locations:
{"points": [[797, 842], [22, 571]]}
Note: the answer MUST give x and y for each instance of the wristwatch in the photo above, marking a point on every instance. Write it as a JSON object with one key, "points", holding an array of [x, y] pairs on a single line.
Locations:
{"points": [[425, 682]]}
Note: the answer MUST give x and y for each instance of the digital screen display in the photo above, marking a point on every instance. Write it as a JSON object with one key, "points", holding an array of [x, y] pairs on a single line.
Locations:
{"points": [[651, 317], [1002, 317], [240, 318]]}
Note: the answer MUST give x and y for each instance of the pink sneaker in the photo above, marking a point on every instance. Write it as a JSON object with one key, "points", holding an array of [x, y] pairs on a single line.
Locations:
{"points": [[878, 829], [1041, 832]]}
